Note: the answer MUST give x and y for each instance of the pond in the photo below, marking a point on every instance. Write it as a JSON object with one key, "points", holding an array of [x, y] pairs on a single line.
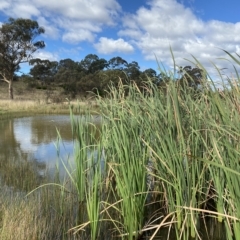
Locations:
{"points": [[34, 141]]}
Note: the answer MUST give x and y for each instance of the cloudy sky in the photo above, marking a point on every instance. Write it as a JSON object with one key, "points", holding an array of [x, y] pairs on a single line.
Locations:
{"points": [[134, 30]]}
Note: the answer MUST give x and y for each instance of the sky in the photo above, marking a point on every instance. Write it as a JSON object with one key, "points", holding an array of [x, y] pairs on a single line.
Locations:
{"points": [[136, 30]]}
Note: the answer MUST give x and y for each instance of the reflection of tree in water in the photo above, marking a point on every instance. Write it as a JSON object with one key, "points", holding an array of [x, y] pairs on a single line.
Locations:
{"points": [[46, 131], [18, 169]]}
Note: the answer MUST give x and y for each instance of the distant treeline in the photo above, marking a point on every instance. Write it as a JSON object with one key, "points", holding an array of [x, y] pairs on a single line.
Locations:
{"points": [[96, 74]]}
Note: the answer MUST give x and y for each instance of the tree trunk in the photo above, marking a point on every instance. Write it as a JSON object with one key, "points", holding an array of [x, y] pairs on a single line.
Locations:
{"points": [[10, 89]]}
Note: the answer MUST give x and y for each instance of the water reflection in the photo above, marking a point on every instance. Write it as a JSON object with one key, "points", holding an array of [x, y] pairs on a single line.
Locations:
{"points": [[29, 147]]}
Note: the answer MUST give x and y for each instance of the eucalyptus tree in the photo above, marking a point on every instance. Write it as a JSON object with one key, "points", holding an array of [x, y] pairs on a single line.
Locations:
{"points": [[133, 71], [17, 44], [43, 70], [149, 75], [115, 71], [191, 76], [67, 71], [93, 64], [117, 63], [98, 65], [110, 77]]}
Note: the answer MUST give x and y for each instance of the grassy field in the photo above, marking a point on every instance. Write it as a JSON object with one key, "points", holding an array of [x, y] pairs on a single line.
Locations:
{"points": [[34, 101]]}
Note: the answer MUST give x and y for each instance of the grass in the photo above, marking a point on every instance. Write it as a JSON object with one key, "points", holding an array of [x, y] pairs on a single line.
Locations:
{"points": [[41, 215], [163, 160], [35, 101], [27, 107], [192, 150]]}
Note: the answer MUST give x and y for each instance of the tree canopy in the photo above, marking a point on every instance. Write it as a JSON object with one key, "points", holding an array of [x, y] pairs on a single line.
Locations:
{"points": [[94, 74], [191, 76], [17, 44], [43, 70]]}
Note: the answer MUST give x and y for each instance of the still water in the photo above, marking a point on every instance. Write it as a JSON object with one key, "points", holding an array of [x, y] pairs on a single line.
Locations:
{"points": [[34, 142]]}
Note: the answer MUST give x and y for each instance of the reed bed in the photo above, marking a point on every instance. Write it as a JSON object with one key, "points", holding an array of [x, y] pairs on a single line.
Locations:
{"points": [[170, 161], [165, 164]]}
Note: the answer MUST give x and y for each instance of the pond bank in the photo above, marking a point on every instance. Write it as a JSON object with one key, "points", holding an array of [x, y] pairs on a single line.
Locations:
{"points": [[18, 108]]}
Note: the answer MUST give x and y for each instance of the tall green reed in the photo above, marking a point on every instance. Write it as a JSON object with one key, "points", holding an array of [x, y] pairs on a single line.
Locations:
{"points": [[189, 138], [93, 193], [127, 151]]}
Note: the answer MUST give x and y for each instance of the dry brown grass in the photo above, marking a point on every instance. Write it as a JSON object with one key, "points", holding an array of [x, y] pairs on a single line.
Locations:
{"points": [[34, 101], [18, 104], [21, 91], [20, 221], [34, 218]]}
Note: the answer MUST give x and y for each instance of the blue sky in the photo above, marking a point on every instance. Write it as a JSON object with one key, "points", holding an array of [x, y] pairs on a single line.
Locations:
{"points": [[134, 30]]}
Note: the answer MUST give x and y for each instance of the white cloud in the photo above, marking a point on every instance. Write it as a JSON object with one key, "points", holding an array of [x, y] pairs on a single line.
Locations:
{"points": [[166, 23], [73, 17], [51, 29], [44, 55], [95, 10], [109, 45], [78, 36], [77, 31], [23, 135], [70, 51], [4, 5], [238, 49], [22, 10]]}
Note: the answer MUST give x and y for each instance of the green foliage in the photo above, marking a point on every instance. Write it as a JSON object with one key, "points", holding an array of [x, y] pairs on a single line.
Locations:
{"points": [[23, 32], [70, 89], [159, 158], [133, 70], [43, 70], [67, 71], [117, 63], [92, 64], [191, 77], [94, 74]]}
